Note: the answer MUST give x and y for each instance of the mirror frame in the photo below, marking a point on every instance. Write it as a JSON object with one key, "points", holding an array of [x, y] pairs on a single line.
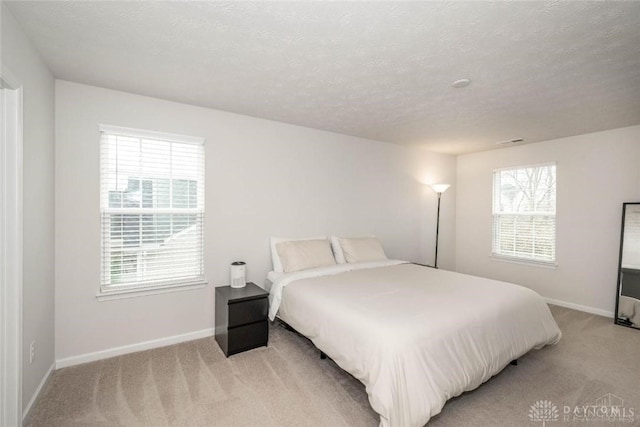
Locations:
{"points": [[616, 318]]}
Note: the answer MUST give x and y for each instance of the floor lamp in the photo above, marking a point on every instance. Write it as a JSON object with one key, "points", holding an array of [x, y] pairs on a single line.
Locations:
{"points": [[439, 189]]}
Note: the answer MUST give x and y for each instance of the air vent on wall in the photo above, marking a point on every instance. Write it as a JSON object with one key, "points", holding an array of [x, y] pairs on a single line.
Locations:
{"points": [[510, 141]]}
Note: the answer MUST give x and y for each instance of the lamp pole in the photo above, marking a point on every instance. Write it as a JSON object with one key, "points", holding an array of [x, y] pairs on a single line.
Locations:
{"points": [[435, 264], [439, 189]]}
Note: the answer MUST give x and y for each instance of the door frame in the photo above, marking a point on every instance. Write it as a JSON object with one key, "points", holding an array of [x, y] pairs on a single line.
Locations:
{"points": [[11, 241]]}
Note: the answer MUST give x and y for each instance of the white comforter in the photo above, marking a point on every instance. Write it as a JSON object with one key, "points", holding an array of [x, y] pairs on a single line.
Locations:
{"points": [[629, 308], [414, 336]]}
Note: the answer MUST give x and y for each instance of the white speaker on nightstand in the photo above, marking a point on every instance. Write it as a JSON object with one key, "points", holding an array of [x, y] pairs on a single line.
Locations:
{"points": [[237, 275]]}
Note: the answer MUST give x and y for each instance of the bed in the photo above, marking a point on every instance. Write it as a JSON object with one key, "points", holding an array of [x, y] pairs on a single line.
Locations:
{"points": [[629, 309], [414, 336]]}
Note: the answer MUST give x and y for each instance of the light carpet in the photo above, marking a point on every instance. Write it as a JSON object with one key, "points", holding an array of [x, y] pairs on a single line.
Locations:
{"points": [[287, 384]]}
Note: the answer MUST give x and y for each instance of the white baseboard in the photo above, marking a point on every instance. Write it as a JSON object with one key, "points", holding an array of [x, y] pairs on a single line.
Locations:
{"points": [[585, 308], [145, 345], [36, 393]]}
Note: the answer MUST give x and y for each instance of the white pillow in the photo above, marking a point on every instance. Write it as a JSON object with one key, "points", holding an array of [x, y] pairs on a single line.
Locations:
{"points": [[304, 254], [337, 250], [275, 258], [362, 249]]}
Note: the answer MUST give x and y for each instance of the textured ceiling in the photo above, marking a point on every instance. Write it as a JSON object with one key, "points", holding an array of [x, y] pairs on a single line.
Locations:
{"points": [[380, 70]]}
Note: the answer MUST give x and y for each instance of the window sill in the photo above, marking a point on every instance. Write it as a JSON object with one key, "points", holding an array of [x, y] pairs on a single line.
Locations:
{"points": [[134, 293], [523, 261]]}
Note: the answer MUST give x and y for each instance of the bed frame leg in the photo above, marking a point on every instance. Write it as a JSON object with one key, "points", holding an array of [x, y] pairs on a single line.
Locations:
{"points": [[286, 326], [514, 362], [322, 355]]}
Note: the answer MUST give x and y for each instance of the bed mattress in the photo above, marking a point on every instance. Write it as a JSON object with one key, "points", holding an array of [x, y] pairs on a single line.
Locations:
{"points": [[413, 335]]}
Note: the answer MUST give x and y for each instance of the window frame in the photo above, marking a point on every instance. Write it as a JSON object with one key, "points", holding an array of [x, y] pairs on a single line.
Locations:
{"points": [[522, 259], [131, 289]]}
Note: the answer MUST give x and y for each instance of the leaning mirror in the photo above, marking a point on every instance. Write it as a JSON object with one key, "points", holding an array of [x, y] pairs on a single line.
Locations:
{"points": [[628, 298]]}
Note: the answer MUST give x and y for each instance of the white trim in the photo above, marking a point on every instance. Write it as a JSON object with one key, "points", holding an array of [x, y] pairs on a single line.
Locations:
{"points": [[132, 348], [11, 236], [181, 263], [584, 308], [143, 133], [529, 213], [523, 261], [495, 252], [36, 394], [142, 211], [140, 292], [535, 165]]}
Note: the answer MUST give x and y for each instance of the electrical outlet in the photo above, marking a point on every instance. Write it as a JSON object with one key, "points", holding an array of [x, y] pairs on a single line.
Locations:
{"points": [[32, 352]]}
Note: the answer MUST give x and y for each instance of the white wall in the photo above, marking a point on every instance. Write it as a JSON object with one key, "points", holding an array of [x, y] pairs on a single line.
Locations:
{"points": [[22, 61], [263, 178], [596, 173]]}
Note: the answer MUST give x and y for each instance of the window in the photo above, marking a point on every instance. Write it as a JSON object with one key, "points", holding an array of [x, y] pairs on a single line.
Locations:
{"points": [[152, 210], [524, 214], [631, 240]]}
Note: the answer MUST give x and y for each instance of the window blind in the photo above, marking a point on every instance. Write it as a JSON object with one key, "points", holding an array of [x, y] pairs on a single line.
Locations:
{"points": [[152, 210], [524, 213]]}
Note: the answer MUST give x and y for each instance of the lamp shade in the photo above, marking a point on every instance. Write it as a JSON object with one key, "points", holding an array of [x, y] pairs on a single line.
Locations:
{"points": [[440, 188]]}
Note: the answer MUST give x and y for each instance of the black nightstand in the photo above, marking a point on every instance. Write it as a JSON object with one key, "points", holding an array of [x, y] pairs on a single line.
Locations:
{"points": [[241, 318]]}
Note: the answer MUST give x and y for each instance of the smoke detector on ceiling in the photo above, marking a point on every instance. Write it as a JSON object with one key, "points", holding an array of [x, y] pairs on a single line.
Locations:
{"points": [[510, 141], [461, 83]]}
